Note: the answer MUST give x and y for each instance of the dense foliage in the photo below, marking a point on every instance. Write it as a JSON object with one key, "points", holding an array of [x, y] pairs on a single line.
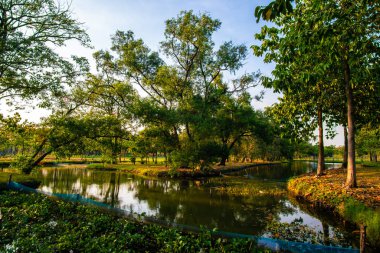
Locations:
{"points": [[176, 103], [29, 66], [326, 55], [186, 111]]}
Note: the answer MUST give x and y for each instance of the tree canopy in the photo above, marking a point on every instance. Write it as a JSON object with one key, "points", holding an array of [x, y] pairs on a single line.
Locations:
{"points": [[331, 48], [30, 31]]}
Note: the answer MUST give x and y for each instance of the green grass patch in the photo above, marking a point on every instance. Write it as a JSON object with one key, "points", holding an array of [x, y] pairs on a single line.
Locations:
{"points": [[370, 164], [356, 212], [101, 166]]}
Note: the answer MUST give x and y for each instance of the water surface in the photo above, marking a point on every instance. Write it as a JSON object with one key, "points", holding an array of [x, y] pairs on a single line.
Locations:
{"points": [[194, 203]]}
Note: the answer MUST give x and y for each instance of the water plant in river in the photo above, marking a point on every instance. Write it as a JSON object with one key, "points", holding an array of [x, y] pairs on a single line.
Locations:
{"points": [[246, 187], [299, 232]]}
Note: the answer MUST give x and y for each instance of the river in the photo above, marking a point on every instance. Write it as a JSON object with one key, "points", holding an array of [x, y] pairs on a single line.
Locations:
{"points": [[201, 203]]}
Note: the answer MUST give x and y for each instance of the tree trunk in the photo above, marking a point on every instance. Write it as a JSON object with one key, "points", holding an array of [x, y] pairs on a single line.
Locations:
{"points": [[351, 167], [224, 155], [31, 165], [223, 160], [345, 152], [166, 158], [321, 148], [188, 132]]}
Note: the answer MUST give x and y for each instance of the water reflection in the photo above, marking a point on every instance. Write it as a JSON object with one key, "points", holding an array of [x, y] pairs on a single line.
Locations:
{"points": [[186, 202], [282, 171]]}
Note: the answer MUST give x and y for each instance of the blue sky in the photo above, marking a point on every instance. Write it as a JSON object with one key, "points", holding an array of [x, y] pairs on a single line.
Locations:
{"points": [[146, 18]]}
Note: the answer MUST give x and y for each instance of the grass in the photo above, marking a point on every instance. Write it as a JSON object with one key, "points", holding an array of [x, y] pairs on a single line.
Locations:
{"points": [[360, 205], [247, 187], [27, 180], [36, 223], [101, 166]]}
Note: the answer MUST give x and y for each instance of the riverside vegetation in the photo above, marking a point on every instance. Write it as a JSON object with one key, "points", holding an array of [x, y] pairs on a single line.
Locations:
{"points": [[359, 205]]}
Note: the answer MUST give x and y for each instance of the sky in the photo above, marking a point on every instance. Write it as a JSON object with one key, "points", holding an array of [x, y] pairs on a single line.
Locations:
{"points": [[146, 18]]}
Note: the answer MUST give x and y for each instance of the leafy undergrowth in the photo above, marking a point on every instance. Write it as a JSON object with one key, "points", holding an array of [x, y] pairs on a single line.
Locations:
{"points": [[247, 187], [360, 205], [36, 223], [26, 180]]}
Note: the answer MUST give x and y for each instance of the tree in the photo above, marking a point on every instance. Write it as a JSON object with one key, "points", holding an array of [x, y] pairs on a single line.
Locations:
{"points": [[343, 36], [65, 133], [108, 94], [273, 10], [368, 142], [184, 98], [29, 30], [236, 119], [305, 96]]}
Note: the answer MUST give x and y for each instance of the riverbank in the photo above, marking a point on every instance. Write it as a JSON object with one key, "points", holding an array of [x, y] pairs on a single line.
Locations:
{"points": [[359, 206], [36, 223], [26, 180]]}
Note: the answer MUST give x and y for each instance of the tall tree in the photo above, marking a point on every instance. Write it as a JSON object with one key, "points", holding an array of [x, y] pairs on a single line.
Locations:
{"points": [[184, 97], [29, 30], [344, 37]]}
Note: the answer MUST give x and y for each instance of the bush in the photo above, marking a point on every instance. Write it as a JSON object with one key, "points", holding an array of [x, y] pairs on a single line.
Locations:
{"points": [[194, 155]]}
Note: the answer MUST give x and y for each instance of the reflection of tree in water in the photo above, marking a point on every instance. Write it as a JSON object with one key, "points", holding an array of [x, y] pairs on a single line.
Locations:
{"points": [[198, 206], [80, 181], [112, 194], [333, 228], [279, 171], [183, 202]]}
